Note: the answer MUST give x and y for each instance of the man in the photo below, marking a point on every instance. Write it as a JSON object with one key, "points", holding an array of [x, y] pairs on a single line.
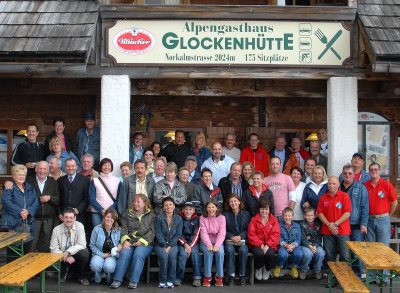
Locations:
{"points": [[177, 151], [30, 151], [255, 154], [88, 139], [137, 183], [136, 149], [382, 204], [360, 207], [73, 189], [218, 163], [309, 165], [191, 165], [233, 183], [55, 168], [280, 150], [360, 174], [315, 148], [334, 209], [87, 162], [159, 170], [300, 153], [69, 239], [230, 149], [322, 135], [281, 186]]}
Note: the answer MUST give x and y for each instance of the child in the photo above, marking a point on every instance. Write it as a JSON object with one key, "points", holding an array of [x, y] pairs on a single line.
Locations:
{"points": [[311, 242], [289, 244], [188, 245]]}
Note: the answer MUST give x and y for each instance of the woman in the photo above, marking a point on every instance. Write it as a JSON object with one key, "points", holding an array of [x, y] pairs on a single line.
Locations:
{"points": [[126, 170], [183, 175], [200, 149], [297, 173], [103, 191], [56, 147], [264, 235], [59, 127], [257, 191], [149, 158], [316, 188], [237, 221], [157, 149], [19, 203], [168, 231], [137, 235], [105, 237], [170, 186], [212, 236], [247, 172]]}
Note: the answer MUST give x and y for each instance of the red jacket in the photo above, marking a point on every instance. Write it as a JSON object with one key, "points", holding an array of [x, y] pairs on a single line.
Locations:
{"points": [[259, 234], [259, 158]]}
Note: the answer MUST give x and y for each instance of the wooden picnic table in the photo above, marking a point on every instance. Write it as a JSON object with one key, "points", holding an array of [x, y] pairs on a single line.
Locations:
{"points": [[9, 239]]}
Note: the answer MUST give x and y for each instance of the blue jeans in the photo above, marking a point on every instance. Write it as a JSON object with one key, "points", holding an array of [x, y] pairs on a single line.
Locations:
{"points": [[135, 257], [356, 235], [283, 256], [196, 263], [334, 244], [316, 258], [379, 230], [243, 251], [167, 262], [99, 264], [97, 218], [208, 257]]}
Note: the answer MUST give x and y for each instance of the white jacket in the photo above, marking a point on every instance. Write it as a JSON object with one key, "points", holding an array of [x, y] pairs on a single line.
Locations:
{"points": [[59, 238]]}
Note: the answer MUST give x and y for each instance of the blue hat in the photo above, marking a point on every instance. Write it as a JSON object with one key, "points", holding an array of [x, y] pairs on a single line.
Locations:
{"points": [[89, 116], [359, 154]]}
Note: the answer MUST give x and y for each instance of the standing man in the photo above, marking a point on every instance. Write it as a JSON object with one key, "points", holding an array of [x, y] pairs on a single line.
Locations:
{"points": [[177, 151], [315, 148], [191, 165], [233, 183], [136, 149], [280, 150], [382, 204], [322, 135], [360, 174], [281, 186], [300, 153], [230, 149], [30, 151], [219, 164], [87, 162], [309, 165], [255, 154], [88, 139]]}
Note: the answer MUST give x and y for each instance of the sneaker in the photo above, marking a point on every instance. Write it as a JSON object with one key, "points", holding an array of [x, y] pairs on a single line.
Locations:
{"points": [[294, 272], [259, 274], [196, 283], [170, 285], [206, 281], [265, 274], [303, 275], [231, 281], [162, 285], [318, 276], [115, 285], [242, 280], [277, 271], [83, 281], [132, 285], [219, 281], [177, 283]]}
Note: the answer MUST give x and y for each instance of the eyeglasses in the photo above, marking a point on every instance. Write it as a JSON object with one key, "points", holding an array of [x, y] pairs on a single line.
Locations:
{"points": [[373, 169]]}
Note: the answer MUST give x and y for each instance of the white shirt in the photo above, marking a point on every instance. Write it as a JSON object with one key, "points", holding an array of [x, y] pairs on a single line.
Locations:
{"points": [[41, 184]]}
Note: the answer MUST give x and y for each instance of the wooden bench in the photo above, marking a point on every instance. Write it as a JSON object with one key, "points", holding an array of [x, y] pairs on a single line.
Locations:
{"points": [[346, 278], [18, 272]]}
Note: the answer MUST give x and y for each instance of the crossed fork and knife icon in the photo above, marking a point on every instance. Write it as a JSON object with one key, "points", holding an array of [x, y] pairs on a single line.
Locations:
{"points": [[328, 44]]}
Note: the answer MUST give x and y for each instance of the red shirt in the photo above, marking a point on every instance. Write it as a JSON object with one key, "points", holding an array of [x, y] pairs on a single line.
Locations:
{"points": [[380, 197], [357, 176], [333, 208]]}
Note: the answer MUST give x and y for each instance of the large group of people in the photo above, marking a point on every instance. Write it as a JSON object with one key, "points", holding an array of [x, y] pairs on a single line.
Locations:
{"points": [[184, 200]]}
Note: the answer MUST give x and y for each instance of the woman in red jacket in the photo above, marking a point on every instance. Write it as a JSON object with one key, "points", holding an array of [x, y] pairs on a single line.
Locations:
{"points": [[264, 235]]}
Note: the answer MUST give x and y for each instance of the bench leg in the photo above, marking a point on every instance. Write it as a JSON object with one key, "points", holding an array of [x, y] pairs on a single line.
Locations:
{"points": [[252, 270], [330, 280], [43, 282], [148, 270]]}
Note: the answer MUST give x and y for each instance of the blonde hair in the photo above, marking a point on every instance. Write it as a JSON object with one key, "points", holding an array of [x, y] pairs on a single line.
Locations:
{"points": [[171, 167], [55, 140], [202, 135], [19, 168], [320, 168]]}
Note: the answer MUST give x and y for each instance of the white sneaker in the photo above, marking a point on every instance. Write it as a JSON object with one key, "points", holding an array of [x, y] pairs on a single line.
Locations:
{"points": [[265, 274], [259, 274]]}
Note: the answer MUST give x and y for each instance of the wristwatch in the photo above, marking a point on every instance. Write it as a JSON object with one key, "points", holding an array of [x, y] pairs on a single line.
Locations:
{"points": [[336, 224]]}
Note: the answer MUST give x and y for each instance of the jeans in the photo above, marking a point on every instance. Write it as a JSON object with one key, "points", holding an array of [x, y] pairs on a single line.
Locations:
{"points": [[283, 256], [356, 235], [334, 244], [243, 251], [196, 263], [208, 257], [317, 259], [97, 218], [134, 256], [99, 264], [268, 259], [167, 262], [379, 230]]}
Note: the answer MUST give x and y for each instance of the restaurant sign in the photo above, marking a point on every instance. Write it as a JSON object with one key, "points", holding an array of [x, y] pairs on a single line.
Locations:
{"points": [[179, 42]]}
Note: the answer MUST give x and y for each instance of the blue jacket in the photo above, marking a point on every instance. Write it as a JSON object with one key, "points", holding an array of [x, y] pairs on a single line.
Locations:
{"points": [[168, 236], [98, 237], [243, 220], [93, 141], [190, 230], [14, 200], [134, 156], [291, 235], [204, 154], [359, 203], [310, 196], [363, 178]]}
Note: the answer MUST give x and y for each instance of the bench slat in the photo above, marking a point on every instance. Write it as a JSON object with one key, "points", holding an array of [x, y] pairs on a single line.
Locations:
{"points": [[347, 278]]}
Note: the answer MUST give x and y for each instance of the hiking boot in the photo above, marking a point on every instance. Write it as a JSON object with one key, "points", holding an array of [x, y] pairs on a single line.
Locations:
{"points": [[242, 280], [258, 274], [206, 281], [294, 272], [219, 281], [277, 271]]}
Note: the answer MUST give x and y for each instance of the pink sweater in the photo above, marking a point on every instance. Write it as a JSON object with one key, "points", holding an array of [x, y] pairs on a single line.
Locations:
{"points": [[112, 184], [212, 230]]}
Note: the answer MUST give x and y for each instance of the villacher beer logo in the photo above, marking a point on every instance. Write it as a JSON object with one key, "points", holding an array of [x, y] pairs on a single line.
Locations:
{"points": [[134, 41]]}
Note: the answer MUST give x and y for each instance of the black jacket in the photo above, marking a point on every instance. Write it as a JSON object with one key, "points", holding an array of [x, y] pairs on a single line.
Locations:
{"points": [[243, 219], [177, 153], [27, 152], [48, 209], [251, 202], [68, 142], [225, 186]]}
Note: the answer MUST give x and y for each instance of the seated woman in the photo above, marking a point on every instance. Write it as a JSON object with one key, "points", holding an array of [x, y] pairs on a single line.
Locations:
{"points": [[137, 235], [212, 235], [315, 189], [105, 237], [237, 221], [57, 150], [168, 231], [257, 191], [264, 235]]}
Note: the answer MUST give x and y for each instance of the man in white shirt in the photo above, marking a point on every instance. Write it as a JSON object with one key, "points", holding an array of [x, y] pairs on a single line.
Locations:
{"points": [[230, 149]]}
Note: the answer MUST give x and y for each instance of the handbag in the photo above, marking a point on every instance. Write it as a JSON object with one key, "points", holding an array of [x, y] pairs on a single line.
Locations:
{"points": [[25, 226]]}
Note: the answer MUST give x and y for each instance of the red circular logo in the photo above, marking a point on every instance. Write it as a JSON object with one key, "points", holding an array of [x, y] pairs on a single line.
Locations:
{"points": [[134, 41]]}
